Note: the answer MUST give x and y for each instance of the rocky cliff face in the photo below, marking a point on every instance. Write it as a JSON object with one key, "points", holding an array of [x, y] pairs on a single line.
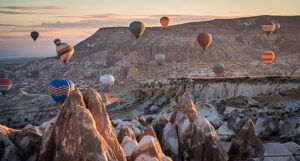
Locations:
{"points": [[184, 134], [237, 43], [19, 110]]}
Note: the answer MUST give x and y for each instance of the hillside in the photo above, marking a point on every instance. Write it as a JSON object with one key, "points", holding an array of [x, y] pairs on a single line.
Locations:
{"points": [[237, 43]]}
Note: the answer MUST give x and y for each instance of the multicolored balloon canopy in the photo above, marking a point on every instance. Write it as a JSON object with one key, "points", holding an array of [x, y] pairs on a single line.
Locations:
{"points": [[268, 57], [269, 28], [60, 89], [5, 85], [164, 21], [64, 51], [204, 40], [137, 28]]}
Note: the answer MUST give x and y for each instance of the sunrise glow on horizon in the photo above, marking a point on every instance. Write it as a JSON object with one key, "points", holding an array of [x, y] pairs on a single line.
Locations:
{"points": [[75, 20]]}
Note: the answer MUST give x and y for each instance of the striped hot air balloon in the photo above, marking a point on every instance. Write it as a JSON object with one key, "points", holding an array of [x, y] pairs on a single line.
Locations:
{"points": [[204, 40], [60, 89], [64, 51], [268, 57], [269, 28], [5, 85], [164, 21]]}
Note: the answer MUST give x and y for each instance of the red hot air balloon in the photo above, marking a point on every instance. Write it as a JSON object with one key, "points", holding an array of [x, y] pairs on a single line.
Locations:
{"points": [[269, 28], [204, 40], [5, 85], [268, 57], [164, 21]]}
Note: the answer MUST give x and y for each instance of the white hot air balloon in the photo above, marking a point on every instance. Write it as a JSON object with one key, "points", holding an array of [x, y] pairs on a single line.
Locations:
{"points": [[90, 45], [107, 79], [160, 58]]}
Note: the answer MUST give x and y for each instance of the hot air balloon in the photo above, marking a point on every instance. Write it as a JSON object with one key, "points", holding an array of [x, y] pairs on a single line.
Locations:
{"points": [[107, 79], [204, 39], [218, 69], [60, 89], [160, 58], [90, 45], [164, 21], [34, 35], [5, 85], [268, 57], [277, 27], [64, 51], [269, 28], [137, 28]]}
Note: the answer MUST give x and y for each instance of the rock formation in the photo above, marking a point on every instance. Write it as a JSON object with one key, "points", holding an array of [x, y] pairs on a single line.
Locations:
{"points": [[246, 144], [94, 103], [126, 131], [203, 143], [186, 106], [148, 131], [19, 145], [158, 124], [149, 149], [189, 137], [75, 135]]}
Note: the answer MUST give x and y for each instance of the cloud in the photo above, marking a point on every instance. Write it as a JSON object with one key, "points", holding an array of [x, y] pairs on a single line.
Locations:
{"points": [[25, 13], [112, 16], [31, 8]]}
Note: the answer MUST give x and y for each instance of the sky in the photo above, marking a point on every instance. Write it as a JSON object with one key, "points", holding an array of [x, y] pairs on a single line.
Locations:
{"points": [[75, 20]]}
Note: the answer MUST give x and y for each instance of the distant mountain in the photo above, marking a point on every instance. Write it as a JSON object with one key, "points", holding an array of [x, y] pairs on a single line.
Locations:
{"points": [[237, 43]]}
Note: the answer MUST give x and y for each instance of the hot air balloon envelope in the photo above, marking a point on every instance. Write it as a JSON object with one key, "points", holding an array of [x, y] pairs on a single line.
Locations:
{"points": [[64, 51], [5, 85], [164, 21], [269, 28], [60, 89], [218, 69], [204, 39], [277, 27], [107, 79], [34, 35], [137, 28], [90, 45], [160, 58], [268, 57]]}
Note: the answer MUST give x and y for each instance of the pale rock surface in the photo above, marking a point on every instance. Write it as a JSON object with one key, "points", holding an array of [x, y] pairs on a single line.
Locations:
{"points": [[129, 145], [170, 141], [94, 103], [75, 136], [278, 152], [126, 131], [149, 149], [224, 132]]}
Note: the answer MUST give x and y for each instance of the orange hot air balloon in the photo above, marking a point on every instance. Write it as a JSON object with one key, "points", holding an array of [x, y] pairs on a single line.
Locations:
{"points": [[269, 28], [204, 40], [268, 57], [164, 21]]}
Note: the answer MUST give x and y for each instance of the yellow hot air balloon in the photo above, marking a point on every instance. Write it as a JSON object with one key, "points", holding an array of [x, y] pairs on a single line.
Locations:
{"points": [[164, 21], [268, 57]]}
